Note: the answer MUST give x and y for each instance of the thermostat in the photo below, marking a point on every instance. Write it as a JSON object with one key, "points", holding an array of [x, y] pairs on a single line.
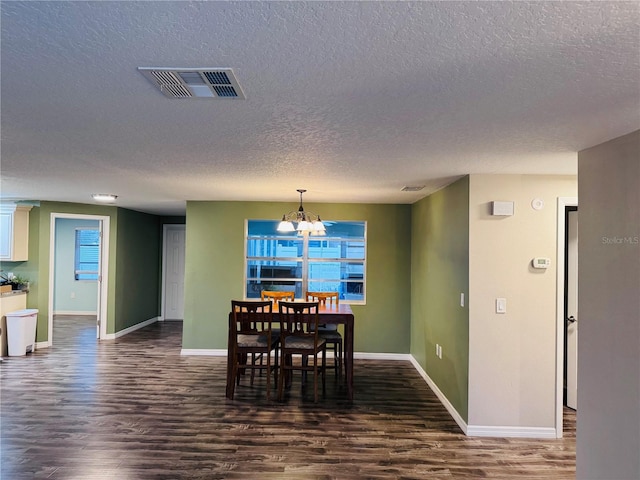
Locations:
{"points": [[541, 262]]}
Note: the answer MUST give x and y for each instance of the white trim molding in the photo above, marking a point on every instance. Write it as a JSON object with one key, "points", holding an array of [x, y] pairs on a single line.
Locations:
{"points": [[381, 356], [104, 222], [483, 430], [212, 352], [44, 344], [75, 312], [441, 396], [132, 328], [511, 432]]}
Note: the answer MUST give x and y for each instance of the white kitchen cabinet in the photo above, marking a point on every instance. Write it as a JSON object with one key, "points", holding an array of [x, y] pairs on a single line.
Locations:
{"points": [[14, 232]]}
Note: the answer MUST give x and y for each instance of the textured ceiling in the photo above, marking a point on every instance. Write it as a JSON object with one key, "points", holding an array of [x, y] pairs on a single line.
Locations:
{"points": [[350, 100]]}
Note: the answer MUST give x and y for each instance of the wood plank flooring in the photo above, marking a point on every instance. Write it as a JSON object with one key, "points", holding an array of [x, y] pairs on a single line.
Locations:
{"points": [[134, 408]]}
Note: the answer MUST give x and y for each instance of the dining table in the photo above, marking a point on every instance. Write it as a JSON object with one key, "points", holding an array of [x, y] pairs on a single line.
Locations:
{"points": [[340, 314]]}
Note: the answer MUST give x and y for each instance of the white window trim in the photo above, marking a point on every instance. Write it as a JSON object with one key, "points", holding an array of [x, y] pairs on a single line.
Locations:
{"points": [[305, 262]]}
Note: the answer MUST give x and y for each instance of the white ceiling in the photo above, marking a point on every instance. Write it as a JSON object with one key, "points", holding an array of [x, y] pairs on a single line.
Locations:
{"points": [[350, 100]]}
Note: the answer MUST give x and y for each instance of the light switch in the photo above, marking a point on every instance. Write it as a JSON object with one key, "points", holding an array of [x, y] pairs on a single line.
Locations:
{"points": [[462, 299], [501, 305]]}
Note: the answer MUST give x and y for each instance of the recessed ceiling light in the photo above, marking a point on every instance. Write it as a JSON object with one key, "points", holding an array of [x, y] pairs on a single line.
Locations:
{"points": [[104, 197]]}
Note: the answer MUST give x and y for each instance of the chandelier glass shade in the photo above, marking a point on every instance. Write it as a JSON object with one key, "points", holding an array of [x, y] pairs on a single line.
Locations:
{"points": [[307, 222]]}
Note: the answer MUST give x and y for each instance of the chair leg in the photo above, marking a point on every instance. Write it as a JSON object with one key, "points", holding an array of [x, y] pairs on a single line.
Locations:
{"points": [[315, 378], [276, 367], [324, 369], [232, 379], [268, 375], [253, 370], [282, 379], [303, 373], [237, 369]]}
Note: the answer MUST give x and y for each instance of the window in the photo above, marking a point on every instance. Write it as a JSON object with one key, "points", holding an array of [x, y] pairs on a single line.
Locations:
{"points": [[87, 254], [297, 263]]}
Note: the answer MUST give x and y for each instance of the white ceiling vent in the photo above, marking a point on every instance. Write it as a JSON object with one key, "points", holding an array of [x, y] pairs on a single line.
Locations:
{"points": [[194, 82], [415, 188]]}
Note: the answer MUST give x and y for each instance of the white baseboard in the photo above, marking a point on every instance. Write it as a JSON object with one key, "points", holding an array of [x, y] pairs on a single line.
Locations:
{"points": [[441, 396], [482, 430], [213, 352], [515, 432], [132, 328], [381, 356], [44, 344], [75, 312]]}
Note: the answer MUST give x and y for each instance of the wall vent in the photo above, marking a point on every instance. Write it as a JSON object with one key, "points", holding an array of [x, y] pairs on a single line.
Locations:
{"points": [[415, 188], [194, 82]]}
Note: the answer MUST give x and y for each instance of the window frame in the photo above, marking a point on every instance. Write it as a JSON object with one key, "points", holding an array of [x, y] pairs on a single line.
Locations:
{"points": [[305, 260], [76, 257]]}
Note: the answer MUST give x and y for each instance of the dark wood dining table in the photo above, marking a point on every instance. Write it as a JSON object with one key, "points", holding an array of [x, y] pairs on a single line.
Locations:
{"points": [[340, 314]]}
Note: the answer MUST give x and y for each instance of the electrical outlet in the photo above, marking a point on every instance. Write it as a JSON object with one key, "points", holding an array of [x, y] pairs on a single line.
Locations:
{"points": [[462, 299], [437, 350], [440, 353]]}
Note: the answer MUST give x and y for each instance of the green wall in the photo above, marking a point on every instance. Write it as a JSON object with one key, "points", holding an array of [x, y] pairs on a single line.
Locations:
{"points": [[440, 273], [215, 263], [138, 246]]}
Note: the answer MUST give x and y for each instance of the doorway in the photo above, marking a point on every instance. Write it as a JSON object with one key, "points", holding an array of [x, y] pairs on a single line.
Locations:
{"points": [[173, 257], [563, 207], [99, 305], [570, 378]]}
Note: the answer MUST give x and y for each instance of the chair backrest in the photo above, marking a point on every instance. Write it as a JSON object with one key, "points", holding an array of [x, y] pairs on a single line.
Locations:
{"points": [[299, 319], [277, 296], [252, 317], [324, 298]]}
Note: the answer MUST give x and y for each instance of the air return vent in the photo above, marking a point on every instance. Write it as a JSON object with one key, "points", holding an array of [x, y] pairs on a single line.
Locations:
{"points": [[415, 188], [194, 82]]}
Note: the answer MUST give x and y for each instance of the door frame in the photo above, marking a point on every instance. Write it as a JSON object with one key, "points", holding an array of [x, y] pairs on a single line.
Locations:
{"points": [[560, 307], [165, 232], [104, 269]]}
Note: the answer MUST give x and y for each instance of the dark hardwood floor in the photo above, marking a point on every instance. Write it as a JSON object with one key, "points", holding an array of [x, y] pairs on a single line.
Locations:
{"points": [[134, 408]]}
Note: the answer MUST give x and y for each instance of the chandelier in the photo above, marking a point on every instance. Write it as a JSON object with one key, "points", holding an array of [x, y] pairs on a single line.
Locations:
{"points": [[308, 222]]}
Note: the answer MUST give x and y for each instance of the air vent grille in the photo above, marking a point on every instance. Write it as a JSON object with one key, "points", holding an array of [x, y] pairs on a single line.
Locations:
{"points": [[175, 90], [217, 78], [223, 91], [194, 82], [414, 188]]}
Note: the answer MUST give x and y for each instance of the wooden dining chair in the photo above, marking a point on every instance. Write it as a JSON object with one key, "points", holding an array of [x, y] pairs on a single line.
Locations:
{"points": [[251, 336], [299, 336], [277, 296], [329, 332]]}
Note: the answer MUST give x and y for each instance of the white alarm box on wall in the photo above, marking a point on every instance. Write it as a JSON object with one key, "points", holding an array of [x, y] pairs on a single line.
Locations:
{"points": [[502, 208]]}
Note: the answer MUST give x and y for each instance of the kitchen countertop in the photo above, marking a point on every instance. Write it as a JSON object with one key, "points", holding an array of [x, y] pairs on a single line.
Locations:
{"points": [[12, 293]]}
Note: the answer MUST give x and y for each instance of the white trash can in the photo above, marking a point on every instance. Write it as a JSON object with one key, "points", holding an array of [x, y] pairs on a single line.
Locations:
{"points": [[21, 331]]}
